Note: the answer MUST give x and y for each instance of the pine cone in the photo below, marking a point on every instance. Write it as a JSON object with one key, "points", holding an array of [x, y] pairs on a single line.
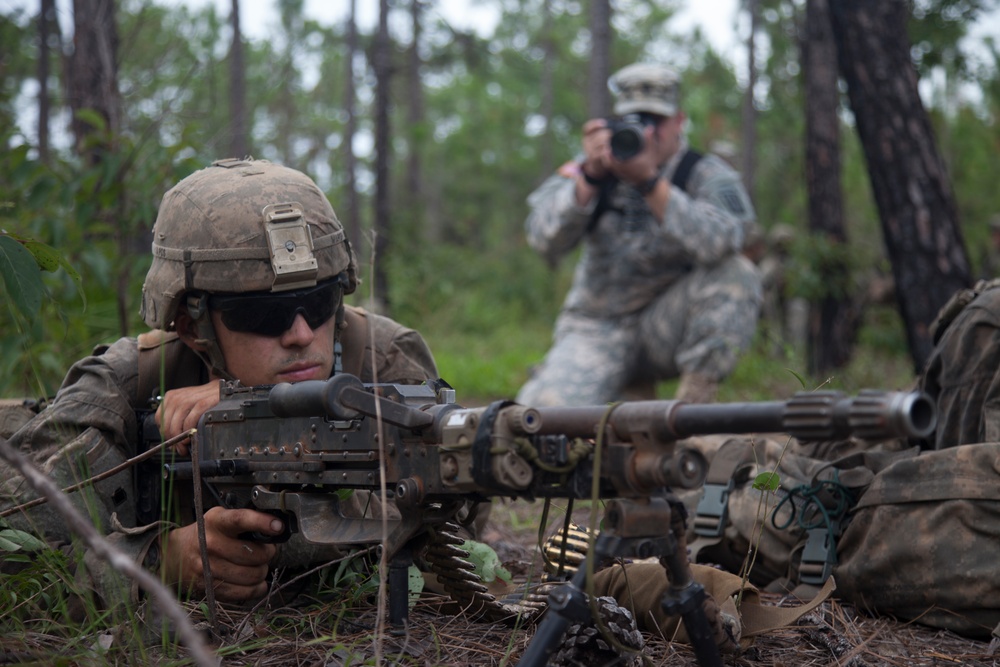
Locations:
{"points": [[583, 645]]}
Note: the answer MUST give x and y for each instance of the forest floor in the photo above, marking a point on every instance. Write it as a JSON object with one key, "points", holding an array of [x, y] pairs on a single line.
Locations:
{"points": [[834, 634], [342, 633]]}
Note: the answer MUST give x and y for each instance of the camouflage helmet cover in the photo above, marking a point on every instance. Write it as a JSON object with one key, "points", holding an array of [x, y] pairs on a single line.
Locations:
{"points": [[237, 226]]}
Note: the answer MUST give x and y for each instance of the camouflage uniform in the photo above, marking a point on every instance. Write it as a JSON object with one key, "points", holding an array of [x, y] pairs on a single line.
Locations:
{"points": [[961, 373], [238, 227], [91, 427], [651, 299]]}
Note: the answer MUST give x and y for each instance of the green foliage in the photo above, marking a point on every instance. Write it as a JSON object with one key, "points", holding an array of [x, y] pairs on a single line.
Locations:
{"points": [[486, 561], [767, 481], [16, 540], [815, 258], [82, 232], [460, 271], [40, 587], [936, 30], [21, 275]]}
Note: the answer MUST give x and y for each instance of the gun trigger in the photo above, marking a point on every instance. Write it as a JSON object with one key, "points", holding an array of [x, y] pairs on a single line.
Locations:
{"points": [[267, 539]]}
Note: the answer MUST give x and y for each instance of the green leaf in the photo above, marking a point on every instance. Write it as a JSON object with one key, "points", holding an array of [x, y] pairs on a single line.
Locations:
{"points": [[92, 117], [14, 540], [415, 579], [486, 561], [767, 481], [797, 377], [46, 256], [49, 259], [21, 275]]}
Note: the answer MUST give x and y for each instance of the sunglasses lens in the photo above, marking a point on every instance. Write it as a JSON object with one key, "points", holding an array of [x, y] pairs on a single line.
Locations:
{"points": [[273, 314]]}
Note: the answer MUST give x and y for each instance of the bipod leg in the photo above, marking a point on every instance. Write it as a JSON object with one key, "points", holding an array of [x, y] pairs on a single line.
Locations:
{"points": [[567, 604], [685, 597], [399, 589]]}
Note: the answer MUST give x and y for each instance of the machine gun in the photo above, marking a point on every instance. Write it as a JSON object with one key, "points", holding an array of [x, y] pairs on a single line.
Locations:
{"points": [[288, 449]]}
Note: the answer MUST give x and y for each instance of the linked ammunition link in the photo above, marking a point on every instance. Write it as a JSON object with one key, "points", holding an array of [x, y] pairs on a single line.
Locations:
{"points": [[458, 576], [563, 559]]}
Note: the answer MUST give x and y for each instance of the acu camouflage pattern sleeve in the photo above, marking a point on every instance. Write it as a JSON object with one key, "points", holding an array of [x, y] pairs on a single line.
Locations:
{"points": [[556, 224], [630, 256], [713, 217]]}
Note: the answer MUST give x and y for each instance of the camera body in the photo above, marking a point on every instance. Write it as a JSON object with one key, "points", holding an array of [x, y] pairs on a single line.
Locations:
{"points": [[627, 134]]}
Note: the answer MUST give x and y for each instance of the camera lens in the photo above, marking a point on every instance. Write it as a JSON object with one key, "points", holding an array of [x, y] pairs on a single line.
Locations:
{"points": [[626, 142]]}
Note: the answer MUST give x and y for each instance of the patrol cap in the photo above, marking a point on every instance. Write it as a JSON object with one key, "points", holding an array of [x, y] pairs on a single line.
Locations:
{"points": [[646, 87]]}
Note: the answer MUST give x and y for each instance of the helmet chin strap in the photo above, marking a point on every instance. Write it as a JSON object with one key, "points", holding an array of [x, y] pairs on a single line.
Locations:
{"points": [[338, 350], [210, 353]]}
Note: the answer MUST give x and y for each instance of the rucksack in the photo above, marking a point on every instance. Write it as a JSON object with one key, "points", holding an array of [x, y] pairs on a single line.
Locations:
{"points": [[903, 532], [922, 541], [794, 527]]}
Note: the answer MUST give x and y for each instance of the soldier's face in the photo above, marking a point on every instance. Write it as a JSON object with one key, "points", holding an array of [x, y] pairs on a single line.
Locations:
{"points": [[668, 135], [299, 353]]}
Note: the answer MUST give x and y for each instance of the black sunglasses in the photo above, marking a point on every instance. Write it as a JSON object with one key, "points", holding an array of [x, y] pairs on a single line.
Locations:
{"points": [[272, 314]]}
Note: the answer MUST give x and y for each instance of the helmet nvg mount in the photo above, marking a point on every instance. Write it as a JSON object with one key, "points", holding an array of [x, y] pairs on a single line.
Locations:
{"points": [[242, 226]]}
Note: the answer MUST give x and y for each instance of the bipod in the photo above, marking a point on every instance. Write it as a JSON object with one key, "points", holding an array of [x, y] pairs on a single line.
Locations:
{"points": [[632, 529]]}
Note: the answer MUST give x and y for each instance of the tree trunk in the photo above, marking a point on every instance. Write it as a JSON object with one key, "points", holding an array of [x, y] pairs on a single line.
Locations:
{"points": [[93, 81], [547, 105], [48, 32], [93, 87], [834, 319], [598, 95], [350, 104], [909, 181], [382, 63], [238, 146], [749, 119], [415, 119]]}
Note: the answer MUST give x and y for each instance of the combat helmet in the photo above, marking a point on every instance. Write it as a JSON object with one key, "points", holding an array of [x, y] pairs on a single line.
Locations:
{"points": [[241, 226]]}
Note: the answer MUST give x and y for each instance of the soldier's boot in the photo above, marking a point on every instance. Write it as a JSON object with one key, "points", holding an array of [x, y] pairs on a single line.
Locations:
{"points": [[697, 388]]}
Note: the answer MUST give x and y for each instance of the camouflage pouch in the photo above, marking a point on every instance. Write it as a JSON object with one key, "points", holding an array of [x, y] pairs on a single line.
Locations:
{"points": [[955, 305], [787, 525], [922, 541]]}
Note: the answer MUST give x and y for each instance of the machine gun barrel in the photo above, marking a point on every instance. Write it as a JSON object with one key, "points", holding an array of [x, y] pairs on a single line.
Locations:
{"points": [[808, 416]]}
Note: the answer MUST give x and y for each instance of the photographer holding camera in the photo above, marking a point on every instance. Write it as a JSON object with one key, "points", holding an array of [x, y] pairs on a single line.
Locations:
{"points": [[661, 290]]}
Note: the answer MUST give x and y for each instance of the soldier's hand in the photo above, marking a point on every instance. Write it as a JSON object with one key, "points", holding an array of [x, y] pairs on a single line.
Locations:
{"points": [[180, 410], [596, 148], [239, 567], [640, 168]]}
